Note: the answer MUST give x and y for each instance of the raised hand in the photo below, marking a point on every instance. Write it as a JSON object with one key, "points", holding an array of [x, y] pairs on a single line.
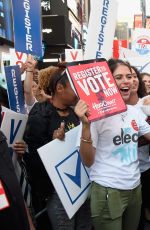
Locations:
{"points": [[30, 63], [60, 132], [19, 147]]}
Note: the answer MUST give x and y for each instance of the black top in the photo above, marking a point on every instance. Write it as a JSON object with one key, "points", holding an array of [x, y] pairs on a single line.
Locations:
{"points": [[42, 121], [13, 217]]}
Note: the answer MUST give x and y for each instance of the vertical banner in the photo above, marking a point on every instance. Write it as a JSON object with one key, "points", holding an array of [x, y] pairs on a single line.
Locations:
{"points": [[27, 26], [141, 42], [101, 29], [72, 55], [15, 89]]}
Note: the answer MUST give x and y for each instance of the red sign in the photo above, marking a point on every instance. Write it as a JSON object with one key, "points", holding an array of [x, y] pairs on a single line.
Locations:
{"points": [[138, 21], [94, 83], [116, 47]]}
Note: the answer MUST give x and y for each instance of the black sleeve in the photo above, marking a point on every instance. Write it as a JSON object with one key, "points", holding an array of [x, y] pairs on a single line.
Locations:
{"points": [[37, 128]]}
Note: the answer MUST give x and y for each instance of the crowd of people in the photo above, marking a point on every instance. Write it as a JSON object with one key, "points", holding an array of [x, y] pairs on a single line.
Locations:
{"points": [[116, 149]]}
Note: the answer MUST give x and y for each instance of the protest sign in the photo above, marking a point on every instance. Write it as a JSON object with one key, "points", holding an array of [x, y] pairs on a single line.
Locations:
{"points": [[94, 83], [27, 26], [66, 171], [141, 41], [141, 63], [73, 55], [101, 29], [18, 58], [125, 53], [15, 89], [13, 126]]}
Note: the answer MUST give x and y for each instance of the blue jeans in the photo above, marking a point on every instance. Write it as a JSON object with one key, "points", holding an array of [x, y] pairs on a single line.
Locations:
{"points": [[59, 219]]}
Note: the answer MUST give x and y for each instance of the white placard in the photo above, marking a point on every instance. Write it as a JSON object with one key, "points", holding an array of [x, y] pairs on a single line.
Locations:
{"points": [[13, 126], [125, 53], [141, 63], [17, 58], [72, 55], [101, 29], [68, 175], [141, 42]]}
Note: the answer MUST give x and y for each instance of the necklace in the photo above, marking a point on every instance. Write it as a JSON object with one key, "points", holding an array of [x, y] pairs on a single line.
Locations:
{"points": [[61, 110]]}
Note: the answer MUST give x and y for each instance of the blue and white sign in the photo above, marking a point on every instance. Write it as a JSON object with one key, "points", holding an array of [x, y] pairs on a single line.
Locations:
{"points": [[15, 89], [13, 126], [101, 29], [141, 63], [66, 171], [27, 26], [141, 42]]}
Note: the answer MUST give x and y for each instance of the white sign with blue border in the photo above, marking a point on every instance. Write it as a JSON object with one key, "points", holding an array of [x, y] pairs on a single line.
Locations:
{"points": [[66, 171], [13, 126]]}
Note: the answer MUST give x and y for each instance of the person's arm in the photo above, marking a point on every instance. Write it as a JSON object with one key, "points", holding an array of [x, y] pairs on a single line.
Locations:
{"points": [[20, 147], [28, 93], [87, 151]]}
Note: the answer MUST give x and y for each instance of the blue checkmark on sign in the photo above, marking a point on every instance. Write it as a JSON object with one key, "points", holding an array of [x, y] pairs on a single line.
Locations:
{"points": [[73, 175], [77, 177]]}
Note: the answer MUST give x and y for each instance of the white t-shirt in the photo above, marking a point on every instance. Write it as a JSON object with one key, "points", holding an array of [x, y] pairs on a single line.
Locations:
{"points": [[115, 139], [143, 151]]}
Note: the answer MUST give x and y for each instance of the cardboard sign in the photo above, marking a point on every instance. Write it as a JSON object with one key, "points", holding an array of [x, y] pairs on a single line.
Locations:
{"points": [[15, 89], [125, 53], [13, 126], [18, 58], [141, 42], [73, 55], [94, 84], [101, 29], [27, 26], [141, 63], [66, 171]]}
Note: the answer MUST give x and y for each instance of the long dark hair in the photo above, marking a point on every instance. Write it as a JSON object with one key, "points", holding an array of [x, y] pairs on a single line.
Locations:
{"points": [[141, 89], [114, 63]]}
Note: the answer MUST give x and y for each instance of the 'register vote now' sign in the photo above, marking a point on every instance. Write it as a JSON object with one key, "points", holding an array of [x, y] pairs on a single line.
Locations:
{"points": [[94, 83]]}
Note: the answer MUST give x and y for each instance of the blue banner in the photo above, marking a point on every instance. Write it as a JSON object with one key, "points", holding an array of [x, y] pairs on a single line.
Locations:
{"points": [[15, 89], [27, 26]]}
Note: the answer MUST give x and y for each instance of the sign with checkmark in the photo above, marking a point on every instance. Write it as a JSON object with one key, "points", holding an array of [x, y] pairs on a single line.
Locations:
{"points": [[66, 171]]}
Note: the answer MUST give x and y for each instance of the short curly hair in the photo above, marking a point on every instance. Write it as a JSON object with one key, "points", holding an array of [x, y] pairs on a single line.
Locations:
{"points": [[49, 77]]}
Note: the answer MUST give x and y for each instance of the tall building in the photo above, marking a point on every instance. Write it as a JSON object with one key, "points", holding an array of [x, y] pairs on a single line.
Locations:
{"points": [[6, 25], [64, 23]]}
